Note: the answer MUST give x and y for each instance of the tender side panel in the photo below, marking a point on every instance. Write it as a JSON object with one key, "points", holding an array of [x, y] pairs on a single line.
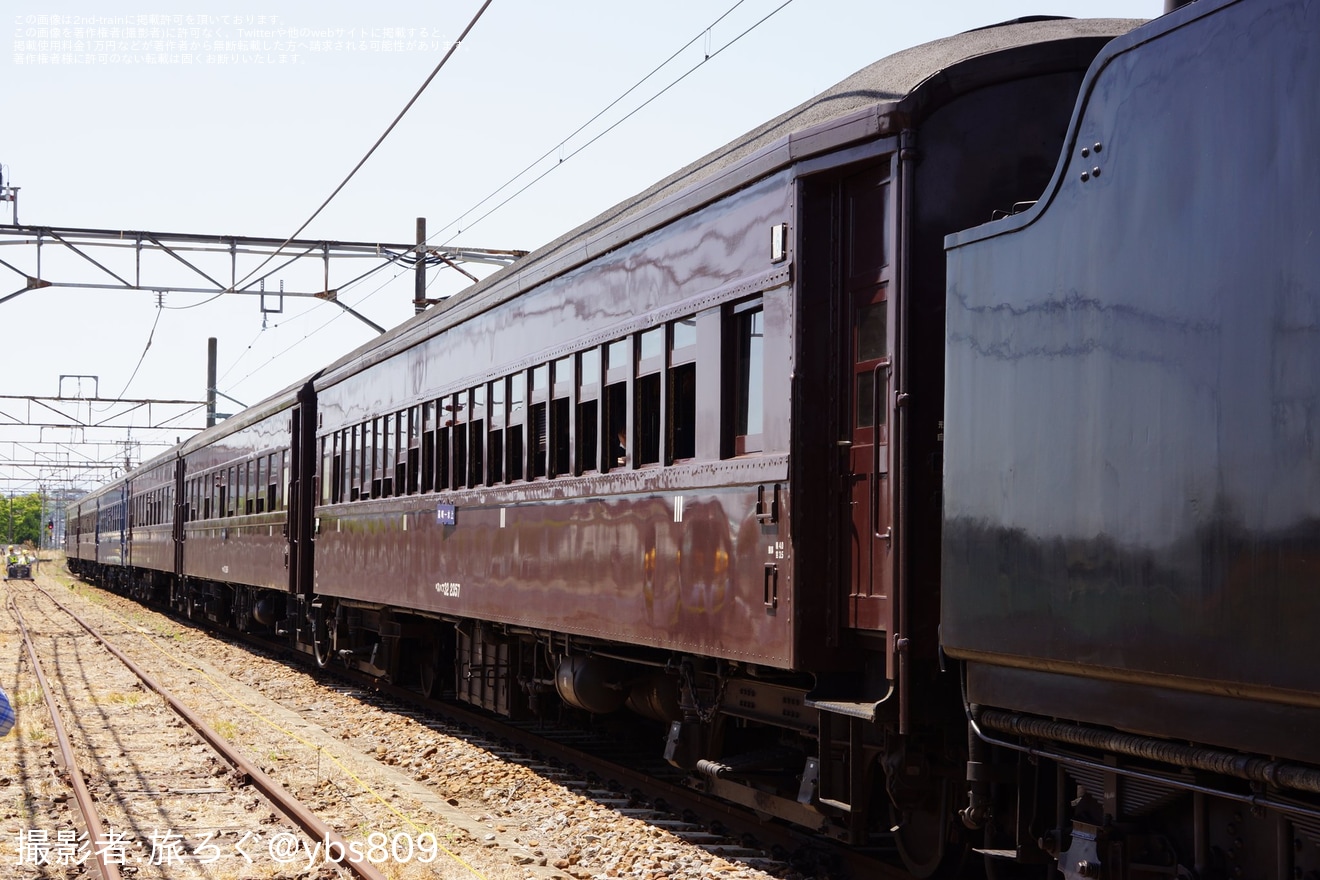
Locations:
{"points": [[1133, 395]]}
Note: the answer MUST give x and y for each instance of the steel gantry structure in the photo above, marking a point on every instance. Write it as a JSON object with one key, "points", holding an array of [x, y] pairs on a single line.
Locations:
{"points": [[218, 264]]}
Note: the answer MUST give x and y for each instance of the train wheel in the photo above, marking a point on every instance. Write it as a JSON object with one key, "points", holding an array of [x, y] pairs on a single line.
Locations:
{"points": [[429, 666], [323, 636], [928, 842]]}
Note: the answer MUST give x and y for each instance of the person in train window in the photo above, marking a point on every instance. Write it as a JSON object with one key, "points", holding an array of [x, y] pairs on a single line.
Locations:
{"points": [[620, 451]]}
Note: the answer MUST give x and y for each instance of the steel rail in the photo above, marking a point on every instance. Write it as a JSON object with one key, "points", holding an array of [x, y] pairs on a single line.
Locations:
{"points": [[86, 805], [294, 809]]}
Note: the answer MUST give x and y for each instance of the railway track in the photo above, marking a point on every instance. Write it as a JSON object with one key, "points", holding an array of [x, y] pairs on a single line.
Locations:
{"points": [[151, 800], [623, 778], [503, 802]]}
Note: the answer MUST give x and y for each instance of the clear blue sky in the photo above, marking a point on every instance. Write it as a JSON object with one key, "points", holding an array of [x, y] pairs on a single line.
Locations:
{"points": [[102, 134]]}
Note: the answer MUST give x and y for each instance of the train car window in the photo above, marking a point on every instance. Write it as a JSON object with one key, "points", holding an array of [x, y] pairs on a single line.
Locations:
{"points": [[588, 410], [399, 462], [746, 376], [387, 456], [515, 452], [370, 469], [236, 491], [538, 427], [428, 447], [561, 427], [540, 445], [618, 372], [563, 377], [497, 393], [257, 483], [477, 438], [560, 436], [651, 345], [337, 474], [588, 436], [223, 508], [683, 339], [401, 453], [646, 419], [616, 418], [441, 459], [646, 410], [872, 347], [272, 483], [459, 471], [327, 467], [284, 478], [495, 433], [495, 457], [477, 453], [413, 474], [681, 390], [588, 373], [618, 361], [355, 463]]}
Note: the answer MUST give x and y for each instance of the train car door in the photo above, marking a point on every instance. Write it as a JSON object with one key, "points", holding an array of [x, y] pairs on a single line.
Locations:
{"points": [[301, 492], [866, 270], [181, 513], [125, 525]]}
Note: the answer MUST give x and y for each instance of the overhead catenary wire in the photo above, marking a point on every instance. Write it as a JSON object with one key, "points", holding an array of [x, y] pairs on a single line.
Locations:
{"points": [[607, 108], [707, 57], [406, 258], [413, 100], [150, 336]]}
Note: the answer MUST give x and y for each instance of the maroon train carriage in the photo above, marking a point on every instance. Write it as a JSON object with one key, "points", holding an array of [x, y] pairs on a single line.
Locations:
{"points": [[149, 546], [1132, 488], [97, 543], [235, 485], [80, 534]]}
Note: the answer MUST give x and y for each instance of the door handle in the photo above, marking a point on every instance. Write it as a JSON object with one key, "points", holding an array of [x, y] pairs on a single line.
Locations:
{"points": [[878, 399]]}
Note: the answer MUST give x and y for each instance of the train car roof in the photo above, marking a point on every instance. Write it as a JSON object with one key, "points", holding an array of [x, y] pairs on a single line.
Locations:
{"points": [[881, 98], [280, 400]]}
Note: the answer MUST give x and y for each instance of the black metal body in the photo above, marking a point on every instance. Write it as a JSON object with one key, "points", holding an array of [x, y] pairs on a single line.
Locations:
{"points": [[1132, 514]]}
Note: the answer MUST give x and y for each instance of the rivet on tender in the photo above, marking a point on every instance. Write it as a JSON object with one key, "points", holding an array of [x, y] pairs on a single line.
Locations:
{"points": [[1086, 175], [1095, 172], [1098, 147], [1086, 151]]}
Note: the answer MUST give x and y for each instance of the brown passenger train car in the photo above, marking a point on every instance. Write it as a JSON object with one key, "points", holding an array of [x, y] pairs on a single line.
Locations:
{"points": [[682, 464]]}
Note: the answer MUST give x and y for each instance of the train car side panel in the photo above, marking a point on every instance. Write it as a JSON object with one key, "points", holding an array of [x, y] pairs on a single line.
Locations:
{"points": [[151, 515], [235, 504], [661, 541]]}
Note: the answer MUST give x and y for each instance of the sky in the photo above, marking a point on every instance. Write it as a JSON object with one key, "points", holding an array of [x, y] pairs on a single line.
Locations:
{"points": [[242, 119]]}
